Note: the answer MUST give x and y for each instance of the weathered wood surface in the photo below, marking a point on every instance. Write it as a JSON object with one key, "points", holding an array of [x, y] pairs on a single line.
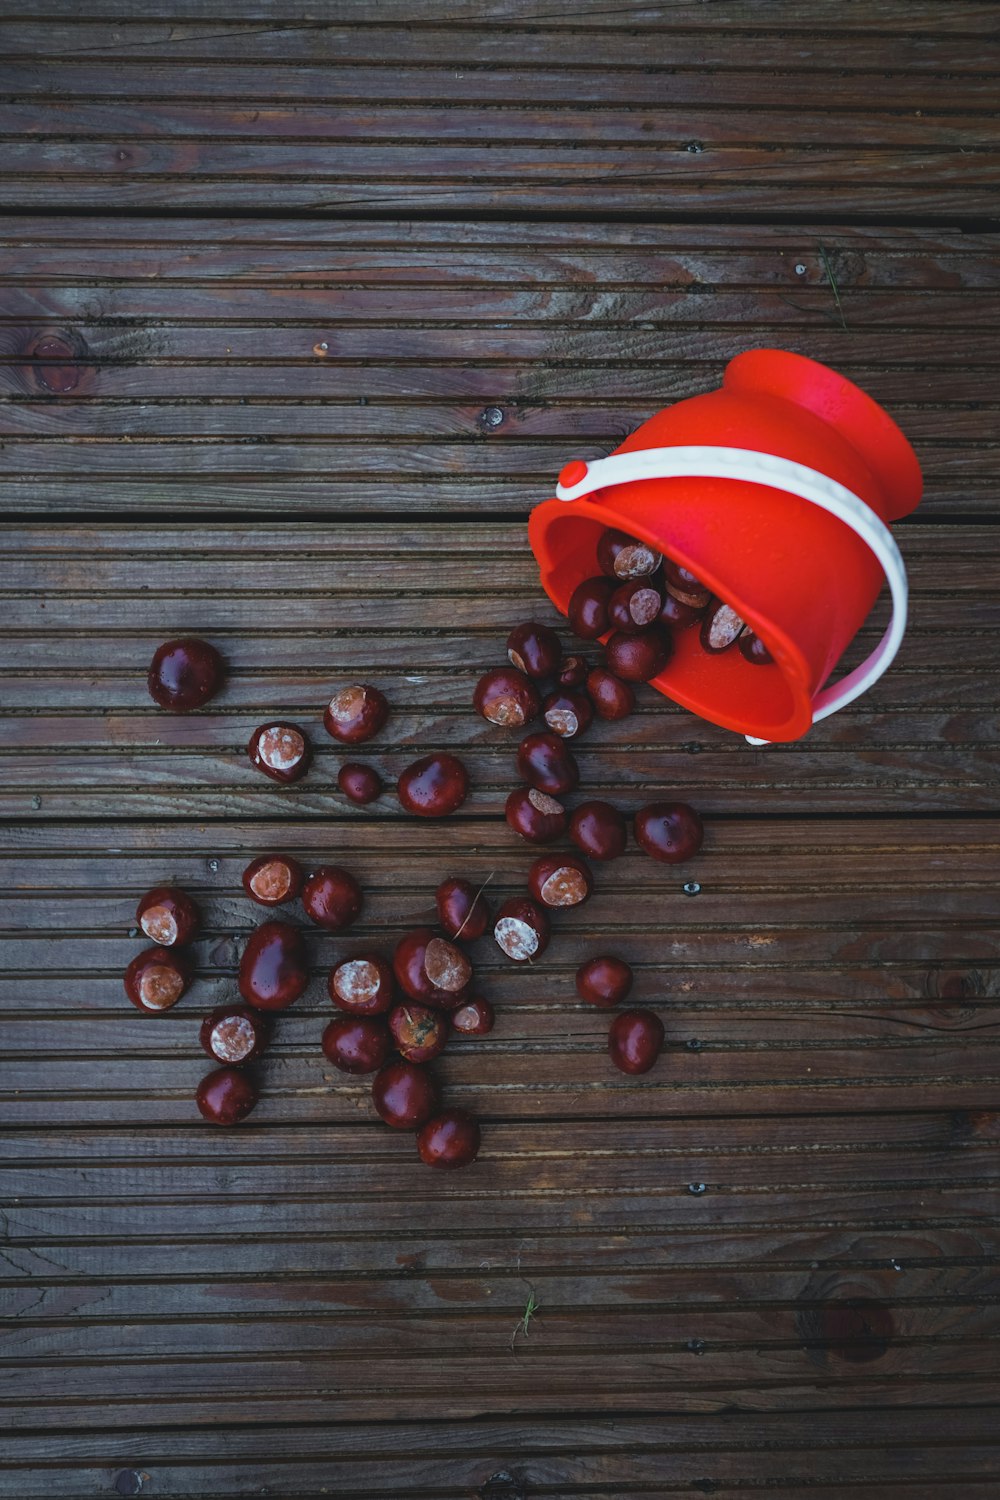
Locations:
{"points": [[458, 253]]}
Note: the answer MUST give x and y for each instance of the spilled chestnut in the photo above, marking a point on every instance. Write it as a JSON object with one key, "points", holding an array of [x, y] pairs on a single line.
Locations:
{"points": [[605, 981], [462, 909], [598, 830], [676, 615], [684, 585], [635, 1040], [522, 929], [280, 751], [184, 674], [572, 673], [226, 1096], [612, 698], [235, 1034], [274, 969], [635, 606], [669, 831], [568, 712], [535, 815], [560, 880], [587, 611], [450, 1140], [546, 763], [473, 1018], [167, 916], [622, 556], [404, 1095], [753, 649], [359, 783], [356, 713], [273, 879], [419, 1033], [157, 978], [364, 985], [721, 627], [332, 898], [639, 658], [356, 1044], [431, 969], [505, 696], [434, 786], [534, 649]]}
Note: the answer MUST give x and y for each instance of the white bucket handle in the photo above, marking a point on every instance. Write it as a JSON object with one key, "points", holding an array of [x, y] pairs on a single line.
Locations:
{"points": [[750, 467]]}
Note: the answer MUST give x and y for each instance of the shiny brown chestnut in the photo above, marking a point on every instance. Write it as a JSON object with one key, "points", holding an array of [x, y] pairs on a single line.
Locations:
{"points": [[568, 712], [420, 1033], [753, 649], [363, 985], [450, 1140], [405, 1095], [522, 929], [635, 606], [587, 611], [598, 830], [635, 1040], [274, 969], [612, 698], [720, 628], [157, 978], [684, 585], [639, 658], [462, 909], [604, 981], [168, 916], [473, 1018], [534, 649], [546, 763], [560, 880], [622, 556], [280, 751], [505, 696], [360, 784], [332, 898], [434, 786], [273, 879], [669, 831], [535, 815], [572, 673], [356, 1044], [355, 713], [226, 1096], [431, 969], [674, 615], [184, 674], [235, 1034]]}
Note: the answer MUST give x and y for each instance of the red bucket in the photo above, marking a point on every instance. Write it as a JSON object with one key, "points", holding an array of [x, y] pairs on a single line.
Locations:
{"points": [[776, 491]]}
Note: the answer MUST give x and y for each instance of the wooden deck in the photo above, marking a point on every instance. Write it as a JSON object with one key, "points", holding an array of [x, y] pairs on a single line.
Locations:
{"points": [[267, 276]]}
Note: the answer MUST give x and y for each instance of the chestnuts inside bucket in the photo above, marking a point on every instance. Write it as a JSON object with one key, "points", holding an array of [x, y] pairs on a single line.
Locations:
{"points": [[803, 579]]}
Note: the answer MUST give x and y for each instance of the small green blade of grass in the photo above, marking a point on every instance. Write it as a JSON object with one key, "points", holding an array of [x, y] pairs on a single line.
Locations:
{"points": [[834, 287], [524, 1323]]}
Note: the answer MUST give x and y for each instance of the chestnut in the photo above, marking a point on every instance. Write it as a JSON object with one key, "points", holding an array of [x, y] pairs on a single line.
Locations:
{"points": [[534, 649], [675, 615], [355, 714], [473, 1018], [167, 916], [669, 831], [434, 787], [226, 1096], [612, 698], [720, 627], [405, 1095], [598, 830], [356, 1044], [431, 969], [184, 674], [604, 981], [419, 1032], [684, 585], [535, 815], [638, 658], [360, 784], [462, 910], [587, 610], [157, 978], [281, 751], [272, 879], [635, 1040], [635, 606], [332, 898], [507, 697], [450, 1140], [273, 970], [567, 712], [235, 1034], [363, 985], [522, 929], [622, 556], [560, 880], [752, 647], [546, 764], [572, 673]]}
